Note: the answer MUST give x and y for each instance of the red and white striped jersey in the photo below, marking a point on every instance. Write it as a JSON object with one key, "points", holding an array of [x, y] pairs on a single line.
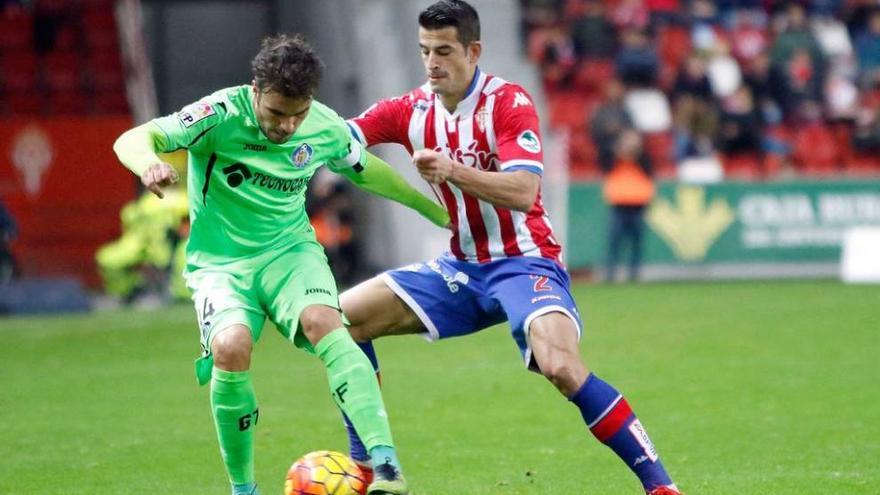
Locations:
{"points": [[495, 129]]}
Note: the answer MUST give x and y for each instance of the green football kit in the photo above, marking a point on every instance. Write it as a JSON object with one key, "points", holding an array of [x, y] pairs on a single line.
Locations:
{"points": [[252, 253]]}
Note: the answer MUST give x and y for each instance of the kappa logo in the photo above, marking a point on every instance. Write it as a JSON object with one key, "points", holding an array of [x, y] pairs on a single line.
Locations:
{"points": [[521, 100], [529, 141], [191, 114], [302, 155]]}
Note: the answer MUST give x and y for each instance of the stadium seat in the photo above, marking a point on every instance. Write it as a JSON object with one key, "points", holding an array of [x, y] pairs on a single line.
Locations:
{"points": [[112, 103], [815, 151], [100, 19], [68, 103], [567, 108], [743, 166], [24, 103], [106, 70], [863, 164], [101, 39], [658, 146], [63, 71], [68, 38], [16, 32], [592, 75], [19, 71]]}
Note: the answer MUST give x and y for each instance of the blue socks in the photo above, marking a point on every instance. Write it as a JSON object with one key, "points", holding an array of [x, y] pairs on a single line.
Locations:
{"points": [[613, 423]]}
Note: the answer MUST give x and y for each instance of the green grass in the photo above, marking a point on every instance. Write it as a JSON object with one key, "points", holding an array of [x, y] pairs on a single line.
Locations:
{"points": [[746, 388]]}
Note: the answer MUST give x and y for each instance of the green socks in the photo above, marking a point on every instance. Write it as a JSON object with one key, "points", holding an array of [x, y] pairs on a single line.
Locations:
{"points": [[234, 405], [354, 387]]}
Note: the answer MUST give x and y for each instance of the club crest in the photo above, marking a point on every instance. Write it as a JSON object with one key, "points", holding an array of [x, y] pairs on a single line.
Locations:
{"points": [[302, 155]]}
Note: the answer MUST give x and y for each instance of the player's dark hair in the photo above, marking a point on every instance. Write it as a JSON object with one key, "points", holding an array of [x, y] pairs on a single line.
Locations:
{"points": [[454, 13], [288, 66]]}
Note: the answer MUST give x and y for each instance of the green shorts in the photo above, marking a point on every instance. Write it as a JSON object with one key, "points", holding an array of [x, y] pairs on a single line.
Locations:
{"points": [[278, 284]]}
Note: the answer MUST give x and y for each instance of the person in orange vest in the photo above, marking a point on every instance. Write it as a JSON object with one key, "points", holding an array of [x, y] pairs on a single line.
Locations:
{"points": [[628, 189]]}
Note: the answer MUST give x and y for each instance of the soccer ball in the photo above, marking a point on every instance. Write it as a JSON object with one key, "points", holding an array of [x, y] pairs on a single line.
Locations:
{"points": [[325, 473]]}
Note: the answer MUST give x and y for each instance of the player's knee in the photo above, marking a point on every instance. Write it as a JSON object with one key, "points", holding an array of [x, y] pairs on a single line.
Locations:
{"points": [[232, 349], [317, 321]]}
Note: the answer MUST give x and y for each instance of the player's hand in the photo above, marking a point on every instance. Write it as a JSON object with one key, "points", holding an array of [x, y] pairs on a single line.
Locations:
{"points": [[434, 167], [157, 176]]}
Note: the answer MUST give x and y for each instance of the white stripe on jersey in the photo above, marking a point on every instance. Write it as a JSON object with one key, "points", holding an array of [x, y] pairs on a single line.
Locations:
{"points": [[494, 84], [523, 234]]}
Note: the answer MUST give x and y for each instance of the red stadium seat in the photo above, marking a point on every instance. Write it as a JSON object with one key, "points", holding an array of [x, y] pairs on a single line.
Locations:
{"points": [[742, 166], [863, 164], [101, 39], [568, 108], [16, 32], [106, 70], [24, 103], [99, 19], [69, 103], [112, 103], [68, 38], [20, 71], [658, 146], [815, 150], [592, 75], [63, 71]]}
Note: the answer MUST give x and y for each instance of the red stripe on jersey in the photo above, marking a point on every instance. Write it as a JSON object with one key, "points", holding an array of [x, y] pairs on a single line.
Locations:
{"points": [[508, 232], [613, 421], [452, 209], [541, 233], [478, 228]]}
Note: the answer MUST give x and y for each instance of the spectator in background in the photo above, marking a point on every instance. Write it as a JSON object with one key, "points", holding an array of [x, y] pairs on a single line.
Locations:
{"points": [[694, 112], [868, 52], [609, 120], [799, 82], [637, 61], [866, 138], [795, 37], [749, 36], [740, 128], [331, 214], [558, 60], [593, 36], [630, 14], [628, 189], [8, 233], [759, 79]]}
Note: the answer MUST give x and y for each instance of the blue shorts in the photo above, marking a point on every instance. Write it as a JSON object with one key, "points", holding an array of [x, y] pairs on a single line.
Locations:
{"points": [[454, 298]]}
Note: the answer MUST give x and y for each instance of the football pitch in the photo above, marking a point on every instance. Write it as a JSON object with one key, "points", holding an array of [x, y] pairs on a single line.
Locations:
{"points": [[745, 388]]}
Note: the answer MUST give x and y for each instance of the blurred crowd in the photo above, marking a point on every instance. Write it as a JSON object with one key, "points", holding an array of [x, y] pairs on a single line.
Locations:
{"points": [[745, 89]]}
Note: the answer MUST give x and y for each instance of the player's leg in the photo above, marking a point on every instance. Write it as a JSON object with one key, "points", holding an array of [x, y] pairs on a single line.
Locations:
{"points": [[234, 405], [553, 338], [434, 298], [300, 294], [545, 323], [354, 386], [230, 323], [373, 310]]}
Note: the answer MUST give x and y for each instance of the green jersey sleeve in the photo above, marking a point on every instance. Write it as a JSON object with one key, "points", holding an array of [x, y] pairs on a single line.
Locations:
{"points": [[191, 126]]}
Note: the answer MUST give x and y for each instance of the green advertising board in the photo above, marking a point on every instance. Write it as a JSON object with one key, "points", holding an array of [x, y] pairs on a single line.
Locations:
{"points": [[731, 222]]}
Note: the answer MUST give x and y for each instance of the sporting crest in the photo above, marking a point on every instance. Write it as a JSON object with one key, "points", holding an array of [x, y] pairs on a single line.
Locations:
{"points": [[482, 116]]}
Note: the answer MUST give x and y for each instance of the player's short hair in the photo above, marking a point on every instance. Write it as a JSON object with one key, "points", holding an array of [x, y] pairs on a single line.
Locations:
{"points": [[455, 13], [287, 65]]}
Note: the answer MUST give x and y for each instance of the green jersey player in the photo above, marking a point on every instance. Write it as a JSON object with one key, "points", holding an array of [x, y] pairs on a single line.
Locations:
{"points": [[252, 252]]}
